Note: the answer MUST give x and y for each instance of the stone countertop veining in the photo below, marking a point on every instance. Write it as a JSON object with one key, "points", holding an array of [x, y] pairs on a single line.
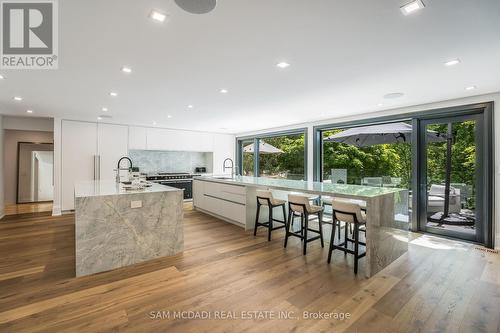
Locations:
{"points": [[109, 187], [306, 186]]}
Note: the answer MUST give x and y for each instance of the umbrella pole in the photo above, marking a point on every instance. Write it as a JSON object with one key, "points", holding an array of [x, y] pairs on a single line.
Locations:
{"points": [[448, 173]]}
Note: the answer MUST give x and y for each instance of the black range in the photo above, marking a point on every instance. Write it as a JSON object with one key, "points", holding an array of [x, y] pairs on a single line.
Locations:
{"points": [[182, 180]]}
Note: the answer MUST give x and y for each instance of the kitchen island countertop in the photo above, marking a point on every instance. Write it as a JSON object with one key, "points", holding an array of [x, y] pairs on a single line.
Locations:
{"points": [[102, 188]]}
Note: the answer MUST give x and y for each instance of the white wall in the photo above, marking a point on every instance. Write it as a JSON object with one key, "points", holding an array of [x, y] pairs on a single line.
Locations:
{"points": [[495, 97], [28, 124]]}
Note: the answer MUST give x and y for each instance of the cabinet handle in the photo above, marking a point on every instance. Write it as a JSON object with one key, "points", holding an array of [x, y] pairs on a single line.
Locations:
{"points": [[98, 167], [95, 167]]}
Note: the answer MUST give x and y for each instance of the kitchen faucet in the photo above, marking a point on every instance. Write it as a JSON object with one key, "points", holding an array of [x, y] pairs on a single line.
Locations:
{"points": [[231, 166], [118, 167]]}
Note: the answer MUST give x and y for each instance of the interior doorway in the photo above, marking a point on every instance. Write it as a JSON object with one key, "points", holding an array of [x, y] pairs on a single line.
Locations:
{"points": [[35, 171]]}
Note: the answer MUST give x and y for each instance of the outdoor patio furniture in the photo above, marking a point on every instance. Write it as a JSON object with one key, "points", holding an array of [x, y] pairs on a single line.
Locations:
{"points": [[339, 176], [465, 192], [436, 196], [391, 181], [372, 181]]}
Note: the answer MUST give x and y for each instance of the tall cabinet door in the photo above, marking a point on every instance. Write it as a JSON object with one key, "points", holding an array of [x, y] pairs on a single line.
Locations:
{"points": [[79, 149], [112, 144]]}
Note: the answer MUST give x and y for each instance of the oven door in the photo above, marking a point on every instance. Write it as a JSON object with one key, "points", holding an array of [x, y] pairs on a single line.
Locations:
{"points": [[186, 185]]}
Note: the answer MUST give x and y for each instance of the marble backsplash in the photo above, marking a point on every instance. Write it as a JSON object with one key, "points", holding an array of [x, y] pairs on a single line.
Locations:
{"points": [[152, 161]]}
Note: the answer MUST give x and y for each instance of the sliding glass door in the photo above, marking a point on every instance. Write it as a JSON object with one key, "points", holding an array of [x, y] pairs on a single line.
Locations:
{"points": [[452, 177], [442, 159]]}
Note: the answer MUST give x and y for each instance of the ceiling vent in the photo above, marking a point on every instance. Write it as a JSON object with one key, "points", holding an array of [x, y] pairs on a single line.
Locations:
{"points": [[197, 6]]}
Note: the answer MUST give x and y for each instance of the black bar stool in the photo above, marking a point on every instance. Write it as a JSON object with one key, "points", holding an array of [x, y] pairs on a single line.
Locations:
{"points": [[299, 206], [350, 213], [265, 198]]}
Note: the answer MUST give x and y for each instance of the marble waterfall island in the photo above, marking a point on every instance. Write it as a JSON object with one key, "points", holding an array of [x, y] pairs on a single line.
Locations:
{"points": [[115, 227], [234, 200]]}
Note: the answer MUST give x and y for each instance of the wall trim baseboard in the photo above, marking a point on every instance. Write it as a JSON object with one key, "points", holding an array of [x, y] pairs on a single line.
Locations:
{"points": [[56, 211]]}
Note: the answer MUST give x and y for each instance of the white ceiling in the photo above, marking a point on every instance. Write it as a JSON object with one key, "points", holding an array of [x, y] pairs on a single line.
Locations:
{"points": [[344, 56]]}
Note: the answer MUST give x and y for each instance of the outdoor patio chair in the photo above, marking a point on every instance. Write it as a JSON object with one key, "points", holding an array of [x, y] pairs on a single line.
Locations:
{"points": [[435, 199]]}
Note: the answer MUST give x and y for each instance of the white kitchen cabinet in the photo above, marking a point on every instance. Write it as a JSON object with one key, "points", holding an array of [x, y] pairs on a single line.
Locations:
{"points": [[224, 147], [90, 151], [79, 150], [221, 200], [137, 138], [112, 144], [199, 194], [159, 139], [178, 140]]}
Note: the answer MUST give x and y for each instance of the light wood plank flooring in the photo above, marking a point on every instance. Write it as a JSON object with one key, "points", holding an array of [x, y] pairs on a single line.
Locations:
{"points": [[439, 286]]}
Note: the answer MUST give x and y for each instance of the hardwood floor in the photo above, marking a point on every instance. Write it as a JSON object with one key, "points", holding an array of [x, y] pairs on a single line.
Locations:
{"points": [[26, 208], [439, 286]]}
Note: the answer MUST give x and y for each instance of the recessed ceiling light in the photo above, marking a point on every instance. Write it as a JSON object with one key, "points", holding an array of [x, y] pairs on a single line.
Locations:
{"points": [[394, 95], [169, 116], [2, 77], [105, 109], [412, 7], [282, 64], [452, 62], [471, 88], [190, 106], [126, 69], [380, 104], [113, 94], [18, 98], [224, 91], [154, 122], [99, 118], [29, 111], [157, 16]]}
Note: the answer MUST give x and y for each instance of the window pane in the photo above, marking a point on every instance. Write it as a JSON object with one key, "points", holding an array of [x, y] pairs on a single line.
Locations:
{"points": [[248, 158], [282, 157], [378, 155]]}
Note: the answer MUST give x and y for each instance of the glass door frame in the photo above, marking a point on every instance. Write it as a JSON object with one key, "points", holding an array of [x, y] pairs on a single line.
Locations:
{"points": [[478, 237], [485, 110]]}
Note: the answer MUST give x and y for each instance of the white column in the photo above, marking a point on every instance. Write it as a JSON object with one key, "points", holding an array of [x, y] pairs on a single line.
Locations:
{"points": [[56, 209], [310, 152]]}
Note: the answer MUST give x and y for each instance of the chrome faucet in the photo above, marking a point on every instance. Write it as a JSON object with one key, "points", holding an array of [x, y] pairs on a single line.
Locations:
{"points": [[231, 166], [118, 167]]}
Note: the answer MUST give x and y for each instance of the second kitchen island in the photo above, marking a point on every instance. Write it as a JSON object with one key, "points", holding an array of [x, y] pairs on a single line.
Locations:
{"points": [[233, 199]]}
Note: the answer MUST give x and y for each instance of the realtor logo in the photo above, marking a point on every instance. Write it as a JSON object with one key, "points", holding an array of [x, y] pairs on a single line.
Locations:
{"points": [[29, 34]]}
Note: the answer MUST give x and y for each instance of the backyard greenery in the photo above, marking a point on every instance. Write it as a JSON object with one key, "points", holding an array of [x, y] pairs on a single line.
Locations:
{"points": [[393, 160]]}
